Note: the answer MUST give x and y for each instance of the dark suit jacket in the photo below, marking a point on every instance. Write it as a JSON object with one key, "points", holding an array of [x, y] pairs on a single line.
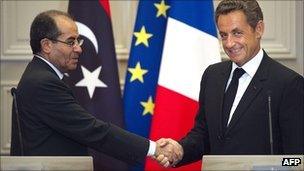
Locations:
{"points": [[54, 124], [248, 131]]}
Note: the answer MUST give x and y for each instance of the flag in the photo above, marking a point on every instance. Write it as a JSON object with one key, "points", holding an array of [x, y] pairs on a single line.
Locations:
{"points": [[142, 71], [179, 39], [95, 82]]}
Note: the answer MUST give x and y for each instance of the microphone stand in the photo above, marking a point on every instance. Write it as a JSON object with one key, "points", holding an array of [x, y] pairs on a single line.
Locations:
{"points": [[270, 123]]}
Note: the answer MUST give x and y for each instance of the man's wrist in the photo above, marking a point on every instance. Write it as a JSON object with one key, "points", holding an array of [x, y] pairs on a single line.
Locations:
{"points": [[152, 148]]}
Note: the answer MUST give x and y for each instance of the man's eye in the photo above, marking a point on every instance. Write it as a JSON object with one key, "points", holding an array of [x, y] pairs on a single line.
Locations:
{"points": [[223, 36], [237, 33], [71, 43]]}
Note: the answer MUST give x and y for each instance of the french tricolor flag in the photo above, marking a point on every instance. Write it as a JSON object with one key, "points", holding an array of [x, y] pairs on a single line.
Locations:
{"points": [[172, 44], [190, 45]]}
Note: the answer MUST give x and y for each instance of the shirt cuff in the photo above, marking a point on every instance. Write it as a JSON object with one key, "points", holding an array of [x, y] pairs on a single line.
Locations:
{"points": [[152, 148]]}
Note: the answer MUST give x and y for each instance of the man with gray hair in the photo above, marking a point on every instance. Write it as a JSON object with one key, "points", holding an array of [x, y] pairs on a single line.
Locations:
{"points": [[236, 96]]}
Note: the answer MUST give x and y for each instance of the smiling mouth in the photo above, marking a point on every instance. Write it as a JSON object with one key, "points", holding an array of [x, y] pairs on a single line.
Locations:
{"points": [[75, 60], [234, 51]]}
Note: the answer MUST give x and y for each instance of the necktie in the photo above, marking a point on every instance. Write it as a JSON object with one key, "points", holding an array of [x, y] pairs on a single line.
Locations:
{"points": [[230, 94], [65, 79]]}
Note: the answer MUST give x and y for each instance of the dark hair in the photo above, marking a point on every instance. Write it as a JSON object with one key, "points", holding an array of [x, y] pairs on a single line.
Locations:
{"points": [[44, 26], [250, 8]]}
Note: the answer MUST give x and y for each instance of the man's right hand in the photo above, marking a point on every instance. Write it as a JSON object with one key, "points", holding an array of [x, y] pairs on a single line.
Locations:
{"points": [[168, 152]]}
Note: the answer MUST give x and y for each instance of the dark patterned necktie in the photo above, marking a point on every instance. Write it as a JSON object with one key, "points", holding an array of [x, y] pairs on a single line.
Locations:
{"points": [[230, 94], [65, 79]]}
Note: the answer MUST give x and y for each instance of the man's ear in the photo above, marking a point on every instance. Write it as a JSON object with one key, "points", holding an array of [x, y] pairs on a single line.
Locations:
{"points": [[46, 45], [259, 29]]}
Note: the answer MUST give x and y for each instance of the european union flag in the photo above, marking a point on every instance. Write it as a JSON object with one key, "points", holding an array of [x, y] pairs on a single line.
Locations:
{"points": [[173, 43], [143, 67]]}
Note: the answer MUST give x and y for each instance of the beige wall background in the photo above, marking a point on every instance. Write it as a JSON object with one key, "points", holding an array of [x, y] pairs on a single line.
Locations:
{"points": [[283, 40]]}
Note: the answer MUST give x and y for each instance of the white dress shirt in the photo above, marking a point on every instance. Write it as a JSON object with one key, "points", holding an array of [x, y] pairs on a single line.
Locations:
{"points": [[152, 144], [250, 68]]}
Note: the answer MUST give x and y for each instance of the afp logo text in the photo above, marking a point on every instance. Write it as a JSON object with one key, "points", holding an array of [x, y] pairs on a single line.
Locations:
{"points": [[291, 161]]}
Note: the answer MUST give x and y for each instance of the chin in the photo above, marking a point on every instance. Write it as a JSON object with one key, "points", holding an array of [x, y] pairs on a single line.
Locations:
{"points": [[72, 68], [238, 59]]}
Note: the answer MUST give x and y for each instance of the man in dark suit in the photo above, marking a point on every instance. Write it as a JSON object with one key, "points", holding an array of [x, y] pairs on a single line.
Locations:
{"points": [[237, 95], [52, 123]]}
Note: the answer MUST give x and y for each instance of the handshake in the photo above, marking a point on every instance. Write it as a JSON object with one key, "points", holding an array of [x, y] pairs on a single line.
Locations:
{"points": [[168, 152]]}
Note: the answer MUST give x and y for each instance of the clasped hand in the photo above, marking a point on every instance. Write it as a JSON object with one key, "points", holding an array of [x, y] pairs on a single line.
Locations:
{"points": [[168, 152]]}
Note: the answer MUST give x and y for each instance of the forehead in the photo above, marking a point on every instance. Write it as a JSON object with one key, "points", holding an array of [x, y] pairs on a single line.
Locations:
{"points": [[66, 26], [232, 20]]}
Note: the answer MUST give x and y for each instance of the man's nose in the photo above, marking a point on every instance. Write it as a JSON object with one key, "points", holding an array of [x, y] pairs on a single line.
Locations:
{"points": [[78, 49], [229, 42]]}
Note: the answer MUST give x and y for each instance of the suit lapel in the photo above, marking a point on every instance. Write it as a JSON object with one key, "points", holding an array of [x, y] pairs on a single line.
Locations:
{"points": [[253, 89], [221, 84]]}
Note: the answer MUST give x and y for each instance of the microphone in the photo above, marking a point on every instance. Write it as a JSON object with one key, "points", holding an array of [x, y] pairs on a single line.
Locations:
{"points": [[270, 121]]}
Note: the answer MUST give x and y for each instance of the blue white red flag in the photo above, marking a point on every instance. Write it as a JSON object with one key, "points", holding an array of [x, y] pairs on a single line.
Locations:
{"points": [[173, 43]]}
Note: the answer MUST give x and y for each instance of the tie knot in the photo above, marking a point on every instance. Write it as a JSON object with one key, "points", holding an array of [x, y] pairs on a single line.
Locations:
{"points": [[65, 79], [237, 73]]}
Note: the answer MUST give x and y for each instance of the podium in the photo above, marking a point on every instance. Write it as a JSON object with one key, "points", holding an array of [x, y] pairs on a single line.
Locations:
{"points": [[252, 162], [51, 163]]}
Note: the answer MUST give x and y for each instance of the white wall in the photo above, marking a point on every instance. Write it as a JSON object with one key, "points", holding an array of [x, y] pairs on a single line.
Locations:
{"points": [[283, 40]]}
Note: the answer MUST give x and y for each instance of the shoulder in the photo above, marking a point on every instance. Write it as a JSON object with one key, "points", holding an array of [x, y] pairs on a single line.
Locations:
{"points": [[279, 77], [36, 76], [217, 68], [220, 65], [280, 72]]}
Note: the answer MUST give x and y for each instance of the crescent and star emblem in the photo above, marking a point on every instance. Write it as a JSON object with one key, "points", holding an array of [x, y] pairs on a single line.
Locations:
{"points": [[90, 79]]}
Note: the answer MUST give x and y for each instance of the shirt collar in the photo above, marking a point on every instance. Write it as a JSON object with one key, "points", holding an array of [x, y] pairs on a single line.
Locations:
{"points": [[252, 65], [59, 74]]}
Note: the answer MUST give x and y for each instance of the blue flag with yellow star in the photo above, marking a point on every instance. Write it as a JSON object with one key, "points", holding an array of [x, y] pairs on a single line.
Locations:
{"points": [[173, 43], [143, 66]]}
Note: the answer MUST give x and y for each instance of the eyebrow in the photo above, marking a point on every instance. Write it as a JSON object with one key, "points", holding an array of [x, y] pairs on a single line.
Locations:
{"points": [[236, 30], [71, 38]]}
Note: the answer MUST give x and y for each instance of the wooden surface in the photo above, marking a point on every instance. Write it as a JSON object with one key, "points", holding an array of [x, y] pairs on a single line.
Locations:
{"points": [[248, 162], [46, 163]]}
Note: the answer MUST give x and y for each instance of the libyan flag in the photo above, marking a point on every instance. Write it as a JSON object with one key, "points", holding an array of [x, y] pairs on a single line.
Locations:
{"points": [[95, 82]]}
